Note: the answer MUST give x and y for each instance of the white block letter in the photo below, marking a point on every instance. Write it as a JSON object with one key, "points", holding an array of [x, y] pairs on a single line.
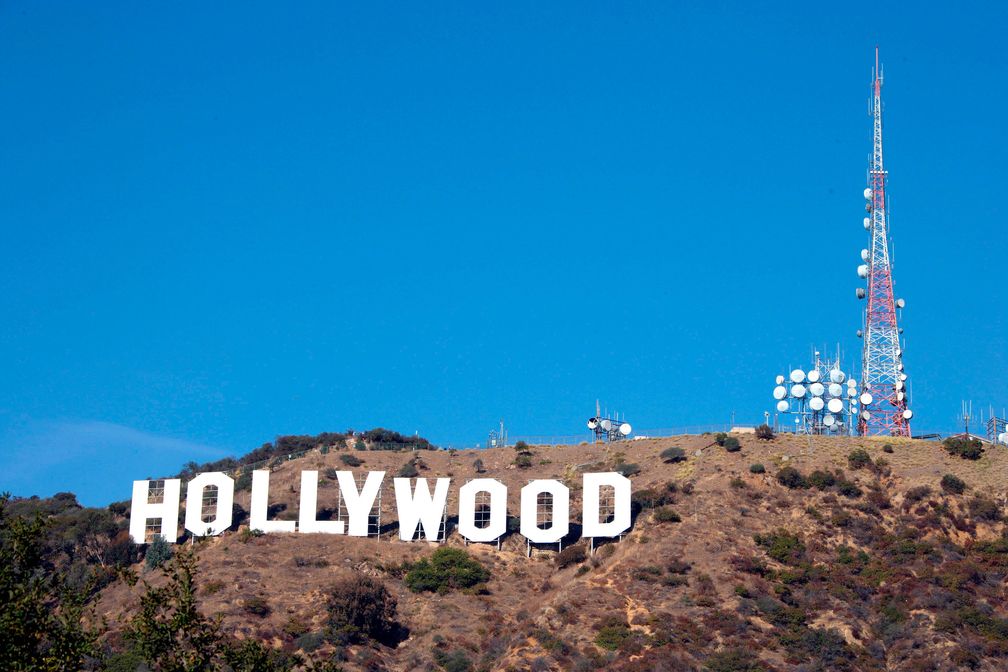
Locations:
{"points": [[260, 506], [194, 504], [307, 522], [359, 505], [559, 513], [620, 523], [419, 507], [498, 509], [141, 511]]}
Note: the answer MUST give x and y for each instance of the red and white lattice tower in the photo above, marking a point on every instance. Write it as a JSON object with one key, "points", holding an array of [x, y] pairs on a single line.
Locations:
{"points": [[883, 382]]}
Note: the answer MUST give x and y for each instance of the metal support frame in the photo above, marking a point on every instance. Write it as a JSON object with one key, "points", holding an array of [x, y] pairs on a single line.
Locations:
{"points": [[374, 516]]}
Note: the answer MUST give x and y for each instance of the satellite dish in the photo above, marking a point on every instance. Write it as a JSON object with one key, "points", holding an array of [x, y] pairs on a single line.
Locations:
{"points": [[900, 303], [902, 376], [817, 389], [817, 403], [900, 384], [899, 351], [779, 392], [868, 194], [867, 223], [828, 420], [1003, 437], [835, 390], [866, 399], [858, 332], [835, 406], [851, 392], [607, 424], [625, 429], [866, 415], [592, 423], [862, 271], [860, 294], [907, 414], [797, 376], [864, 255], [798, 391], [851, 383], [900, 396], [782, 406], [836, 375], [780, 380], [813, 376]]}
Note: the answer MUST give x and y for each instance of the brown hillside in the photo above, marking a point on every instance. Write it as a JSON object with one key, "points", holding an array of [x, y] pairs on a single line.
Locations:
{"points": [[927, 595]]}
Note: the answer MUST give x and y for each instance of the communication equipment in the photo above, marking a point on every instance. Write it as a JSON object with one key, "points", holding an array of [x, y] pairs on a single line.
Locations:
{"points": [[610, 428], [815, 396]]}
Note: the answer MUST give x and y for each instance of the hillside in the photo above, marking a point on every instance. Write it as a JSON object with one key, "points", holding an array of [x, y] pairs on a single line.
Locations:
{"points": [[877, 568]]}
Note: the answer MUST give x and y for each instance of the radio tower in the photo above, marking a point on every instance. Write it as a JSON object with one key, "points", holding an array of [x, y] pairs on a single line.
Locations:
{"points": [[883, 383]]}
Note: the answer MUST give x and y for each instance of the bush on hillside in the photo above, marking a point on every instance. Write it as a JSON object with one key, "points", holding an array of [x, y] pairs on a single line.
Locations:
{"points": [[478, 466], [408, 470], [719, 438], [859, 458], [757, 468], [522, 448], [764, 432], [791, 478], [732, 445], [673, 454], [782, 546], [350, 460], [360, 608], [523, 461], [627, 469], [571, 555], [966, 448], [446, 569], [158, 552], [821, 480], [953, 484], [666, 515]]}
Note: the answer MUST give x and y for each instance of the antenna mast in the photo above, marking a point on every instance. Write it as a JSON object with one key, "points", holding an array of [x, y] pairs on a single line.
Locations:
{"points": [[882, 379]]}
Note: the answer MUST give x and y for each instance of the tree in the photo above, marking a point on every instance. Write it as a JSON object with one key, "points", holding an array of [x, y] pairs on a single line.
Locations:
{"points": [[478, 466], [169, 633], [158, 552], [764, 432], [673, 454], [360, 608], [446, 569], [40, 613]]}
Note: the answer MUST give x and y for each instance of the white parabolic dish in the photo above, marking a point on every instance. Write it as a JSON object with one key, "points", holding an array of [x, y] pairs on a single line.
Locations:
{"points": [[835, 406], [782, 406], [836, 390], [592, 423], [779, 392], [813, 376], [828, 420], [866, 399], [797, 376], [798, 391], [817, 389], [816, 403], [836, 375], [625, 429], [607, 424]]}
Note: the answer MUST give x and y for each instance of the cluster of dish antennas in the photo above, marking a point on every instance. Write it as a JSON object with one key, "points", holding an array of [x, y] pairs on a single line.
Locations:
{"points": [[823, 399], [864, 268], [609, 429]]}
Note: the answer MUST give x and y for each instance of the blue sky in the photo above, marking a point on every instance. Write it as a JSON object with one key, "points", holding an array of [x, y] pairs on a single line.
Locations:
{"points": [[223, 223]]}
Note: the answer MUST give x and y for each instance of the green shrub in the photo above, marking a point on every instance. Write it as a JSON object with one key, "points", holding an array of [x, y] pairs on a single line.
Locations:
{"points": [[791, 478], [523, 461], [859, 458], [887, 448], [159, 552], [719, 438], [360, 608], [966, 448], [666, 515], [733, 660], [673, 454], [848, 489], [446, 569], [456, 661], [952, 484], [731, 444], [521, 447], [982, 508], [309, 641], [782, 546], [359, 445], [628, 469], [408, 470], [613, 632], [350, 460], [757, 468], [244, 481], [764, 432], [256, 606], [737, 483], [331, 473], [478, 466], [571, 555], [821, 480], [914, 495]]}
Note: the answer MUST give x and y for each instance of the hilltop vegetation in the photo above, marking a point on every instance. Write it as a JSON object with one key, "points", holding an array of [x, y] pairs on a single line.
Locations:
{"points": [[773, 553]]}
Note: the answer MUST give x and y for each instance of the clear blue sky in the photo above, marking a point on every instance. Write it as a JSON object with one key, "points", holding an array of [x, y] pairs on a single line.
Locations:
{"points": [[226, 222]]}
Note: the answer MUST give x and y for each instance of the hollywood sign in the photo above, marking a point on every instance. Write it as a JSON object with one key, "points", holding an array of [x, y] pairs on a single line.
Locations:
{"points": [[417, 507]]}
